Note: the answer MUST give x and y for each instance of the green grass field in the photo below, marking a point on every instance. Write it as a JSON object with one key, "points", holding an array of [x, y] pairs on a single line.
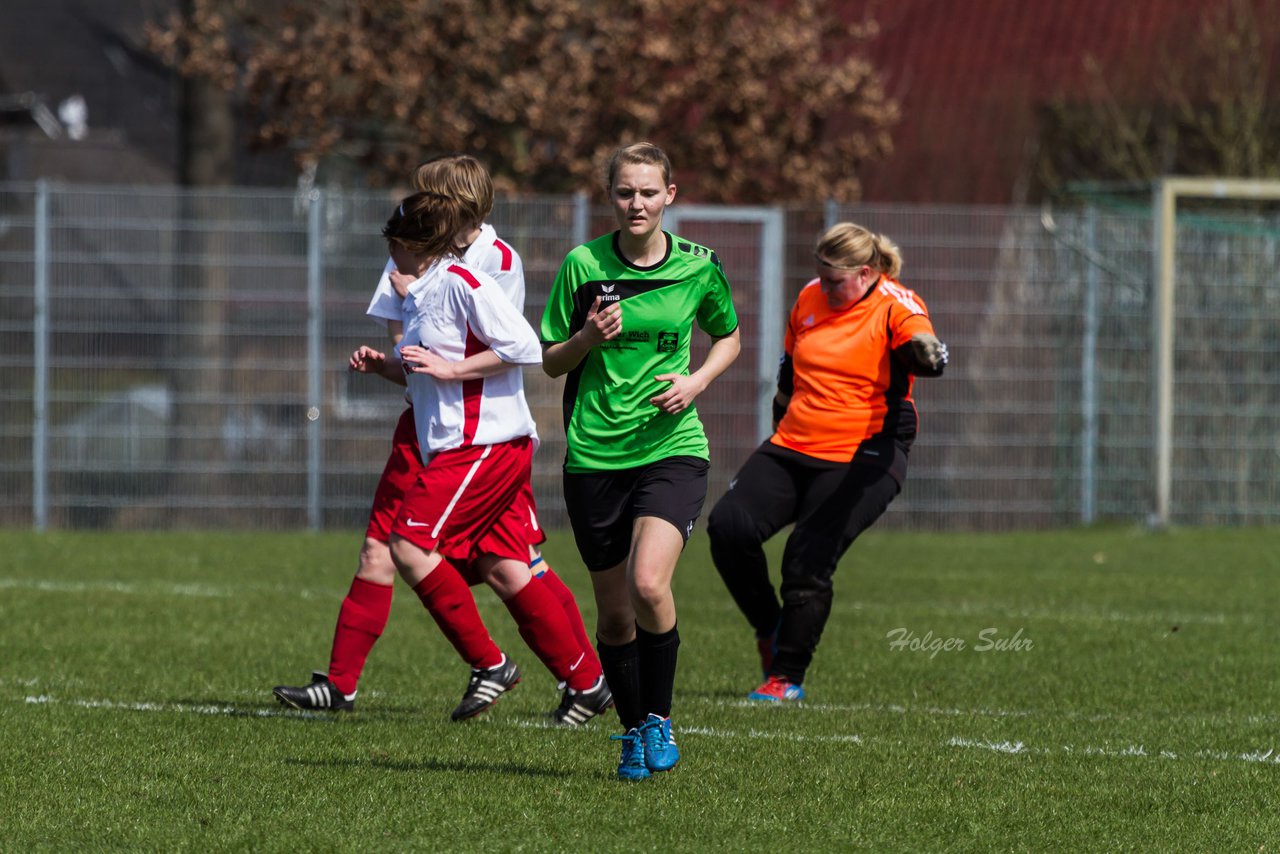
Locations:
{"points": [[1138, 708]]}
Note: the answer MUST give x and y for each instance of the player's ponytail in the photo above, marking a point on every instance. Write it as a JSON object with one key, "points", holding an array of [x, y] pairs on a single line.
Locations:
{"points": [[888, 256]]}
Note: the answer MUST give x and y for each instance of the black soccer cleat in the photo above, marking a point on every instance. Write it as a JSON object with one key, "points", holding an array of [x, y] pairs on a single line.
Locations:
{"points": [[321, 695], [485, 687], [578, 707]]}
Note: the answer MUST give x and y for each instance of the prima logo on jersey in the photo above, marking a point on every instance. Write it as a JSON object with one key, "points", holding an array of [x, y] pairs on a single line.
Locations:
{"points": [[668, 342], [607, 293]]}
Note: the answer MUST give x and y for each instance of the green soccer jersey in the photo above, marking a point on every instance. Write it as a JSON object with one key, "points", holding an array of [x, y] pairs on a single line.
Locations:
{"points": [[609, 421]]}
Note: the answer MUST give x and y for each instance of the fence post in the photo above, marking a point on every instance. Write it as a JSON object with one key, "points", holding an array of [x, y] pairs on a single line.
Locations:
{"points": [[830, 214], [315, 356], [1088, 373], [1163, 227], [40, 363], [581, 218], [772, 249]]}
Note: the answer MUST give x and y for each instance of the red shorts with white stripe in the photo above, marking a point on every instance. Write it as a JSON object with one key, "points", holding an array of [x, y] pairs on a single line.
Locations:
{"points": [[400, 473], [537, 536], [472, 501]]}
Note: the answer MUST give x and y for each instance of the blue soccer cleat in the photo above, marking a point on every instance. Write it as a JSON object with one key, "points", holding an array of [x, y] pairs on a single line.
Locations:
{"points": [[631, 767], [660, 751]]}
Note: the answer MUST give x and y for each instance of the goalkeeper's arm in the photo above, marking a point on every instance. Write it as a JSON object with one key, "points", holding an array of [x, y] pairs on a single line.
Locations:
{"points": [[924, 355], [786, 386]]}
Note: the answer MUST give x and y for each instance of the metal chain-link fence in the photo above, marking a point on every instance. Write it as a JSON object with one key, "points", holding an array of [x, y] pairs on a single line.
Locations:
{"points": [[174, 358]]}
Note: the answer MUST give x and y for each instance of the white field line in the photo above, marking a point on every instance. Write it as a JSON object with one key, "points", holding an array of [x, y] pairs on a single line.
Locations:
{"points": [[941, 609], [182, 708], [770, 735], [1268, 756], [881, 708], [129, 588], [983, 712]]}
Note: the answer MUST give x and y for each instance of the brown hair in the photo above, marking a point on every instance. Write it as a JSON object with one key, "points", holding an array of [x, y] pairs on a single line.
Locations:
{"points": [[848, 246], [428, 224], [637, 153], [460, 176]]}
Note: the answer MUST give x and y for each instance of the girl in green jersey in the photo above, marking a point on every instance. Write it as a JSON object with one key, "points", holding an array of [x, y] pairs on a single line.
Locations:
{"points": [[618, 323]]}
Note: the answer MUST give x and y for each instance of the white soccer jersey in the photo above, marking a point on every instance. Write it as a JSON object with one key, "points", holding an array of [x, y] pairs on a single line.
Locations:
{"points": [[458, 311], [487, 253]]}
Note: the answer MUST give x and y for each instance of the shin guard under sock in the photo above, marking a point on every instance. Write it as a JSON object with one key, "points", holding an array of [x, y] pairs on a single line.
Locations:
{"points": [[448, 599], [361, 619], [657, 670], [622, 672], [567, 601], [545, 628]]}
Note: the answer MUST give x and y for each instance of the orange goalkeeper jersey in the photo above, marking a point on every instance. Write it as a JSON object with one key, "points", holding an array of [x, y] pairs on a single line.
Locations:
{"points": [[849, 387]]}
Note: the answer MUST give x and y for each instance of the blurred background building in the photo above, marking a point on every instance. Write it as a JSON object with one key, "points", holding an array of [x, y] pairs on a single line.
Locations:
{"points": [[982, 87]]}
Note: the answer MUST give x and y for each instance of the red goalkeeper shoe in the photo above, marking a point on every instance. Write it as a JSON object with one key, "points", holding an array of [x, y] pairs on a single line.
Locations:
{"points": [[776, 689]]}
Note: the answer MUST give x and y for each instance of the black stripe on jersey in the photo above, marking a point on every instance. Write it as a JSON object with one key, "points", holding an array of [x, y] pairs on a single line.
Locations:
{"points": [[610, 291], [900, 421], [584, 296], [569, 398], [699, 251]]}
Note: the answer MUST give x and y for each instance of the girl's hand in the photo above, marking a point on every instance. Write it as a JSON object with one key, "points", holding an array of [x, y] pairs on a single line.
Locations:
{"points": [[420, 360], [679, 396], [366, 360], [603, 325], [400, 282]]}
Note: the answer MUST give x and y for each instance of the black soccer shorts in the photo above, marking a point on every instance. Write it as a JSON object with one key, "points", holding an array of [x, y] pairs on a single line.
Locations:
{"points": [[603, 505]]}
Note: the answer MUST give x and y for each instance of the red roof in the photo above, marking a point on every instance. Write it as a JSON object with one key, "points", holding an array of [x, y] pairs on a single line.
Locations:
{"points": [[969, 76]]}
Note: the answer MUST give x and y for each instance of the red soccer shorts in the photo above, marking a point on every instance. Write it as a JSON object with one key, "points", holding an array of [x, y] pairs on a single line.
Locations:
{"points": [[472, 501], [398, 475]]}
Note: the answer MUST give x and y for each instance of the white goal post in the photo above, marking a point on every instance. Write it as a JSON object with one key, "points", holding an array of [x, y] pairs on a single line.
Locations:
{"points": [[772, 224], [1167, 192]]}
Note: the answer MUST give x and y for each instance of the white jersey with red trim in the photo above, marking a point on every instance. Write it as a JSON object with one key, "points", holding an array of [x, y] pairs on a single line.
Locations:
{"points": [[487, 253], [457, 311]]}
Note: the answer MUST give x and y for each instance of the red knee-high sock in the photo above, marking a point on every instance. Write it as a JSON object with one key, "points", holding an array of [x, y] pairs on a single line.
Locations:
{"points": [[361, 619], [545, 628], [448, 598], [565, 597]]}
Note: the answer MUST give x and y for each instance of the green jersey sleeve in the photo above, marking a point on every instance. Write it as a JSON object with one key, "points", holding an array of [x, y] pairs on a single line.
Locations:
{"points": [[716, 315], [557, 318]]}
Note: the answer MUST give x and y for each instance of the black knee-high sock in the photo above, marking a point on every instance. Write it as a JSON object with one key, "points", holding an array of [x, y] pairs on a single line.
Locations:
{"points": [[657, 670], [621, 665]]}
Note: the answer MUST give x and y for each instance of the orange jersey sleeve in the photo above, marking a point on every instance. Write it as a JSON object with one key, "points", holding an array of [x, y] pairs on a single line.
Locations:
{"points": [[848, 385]]}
